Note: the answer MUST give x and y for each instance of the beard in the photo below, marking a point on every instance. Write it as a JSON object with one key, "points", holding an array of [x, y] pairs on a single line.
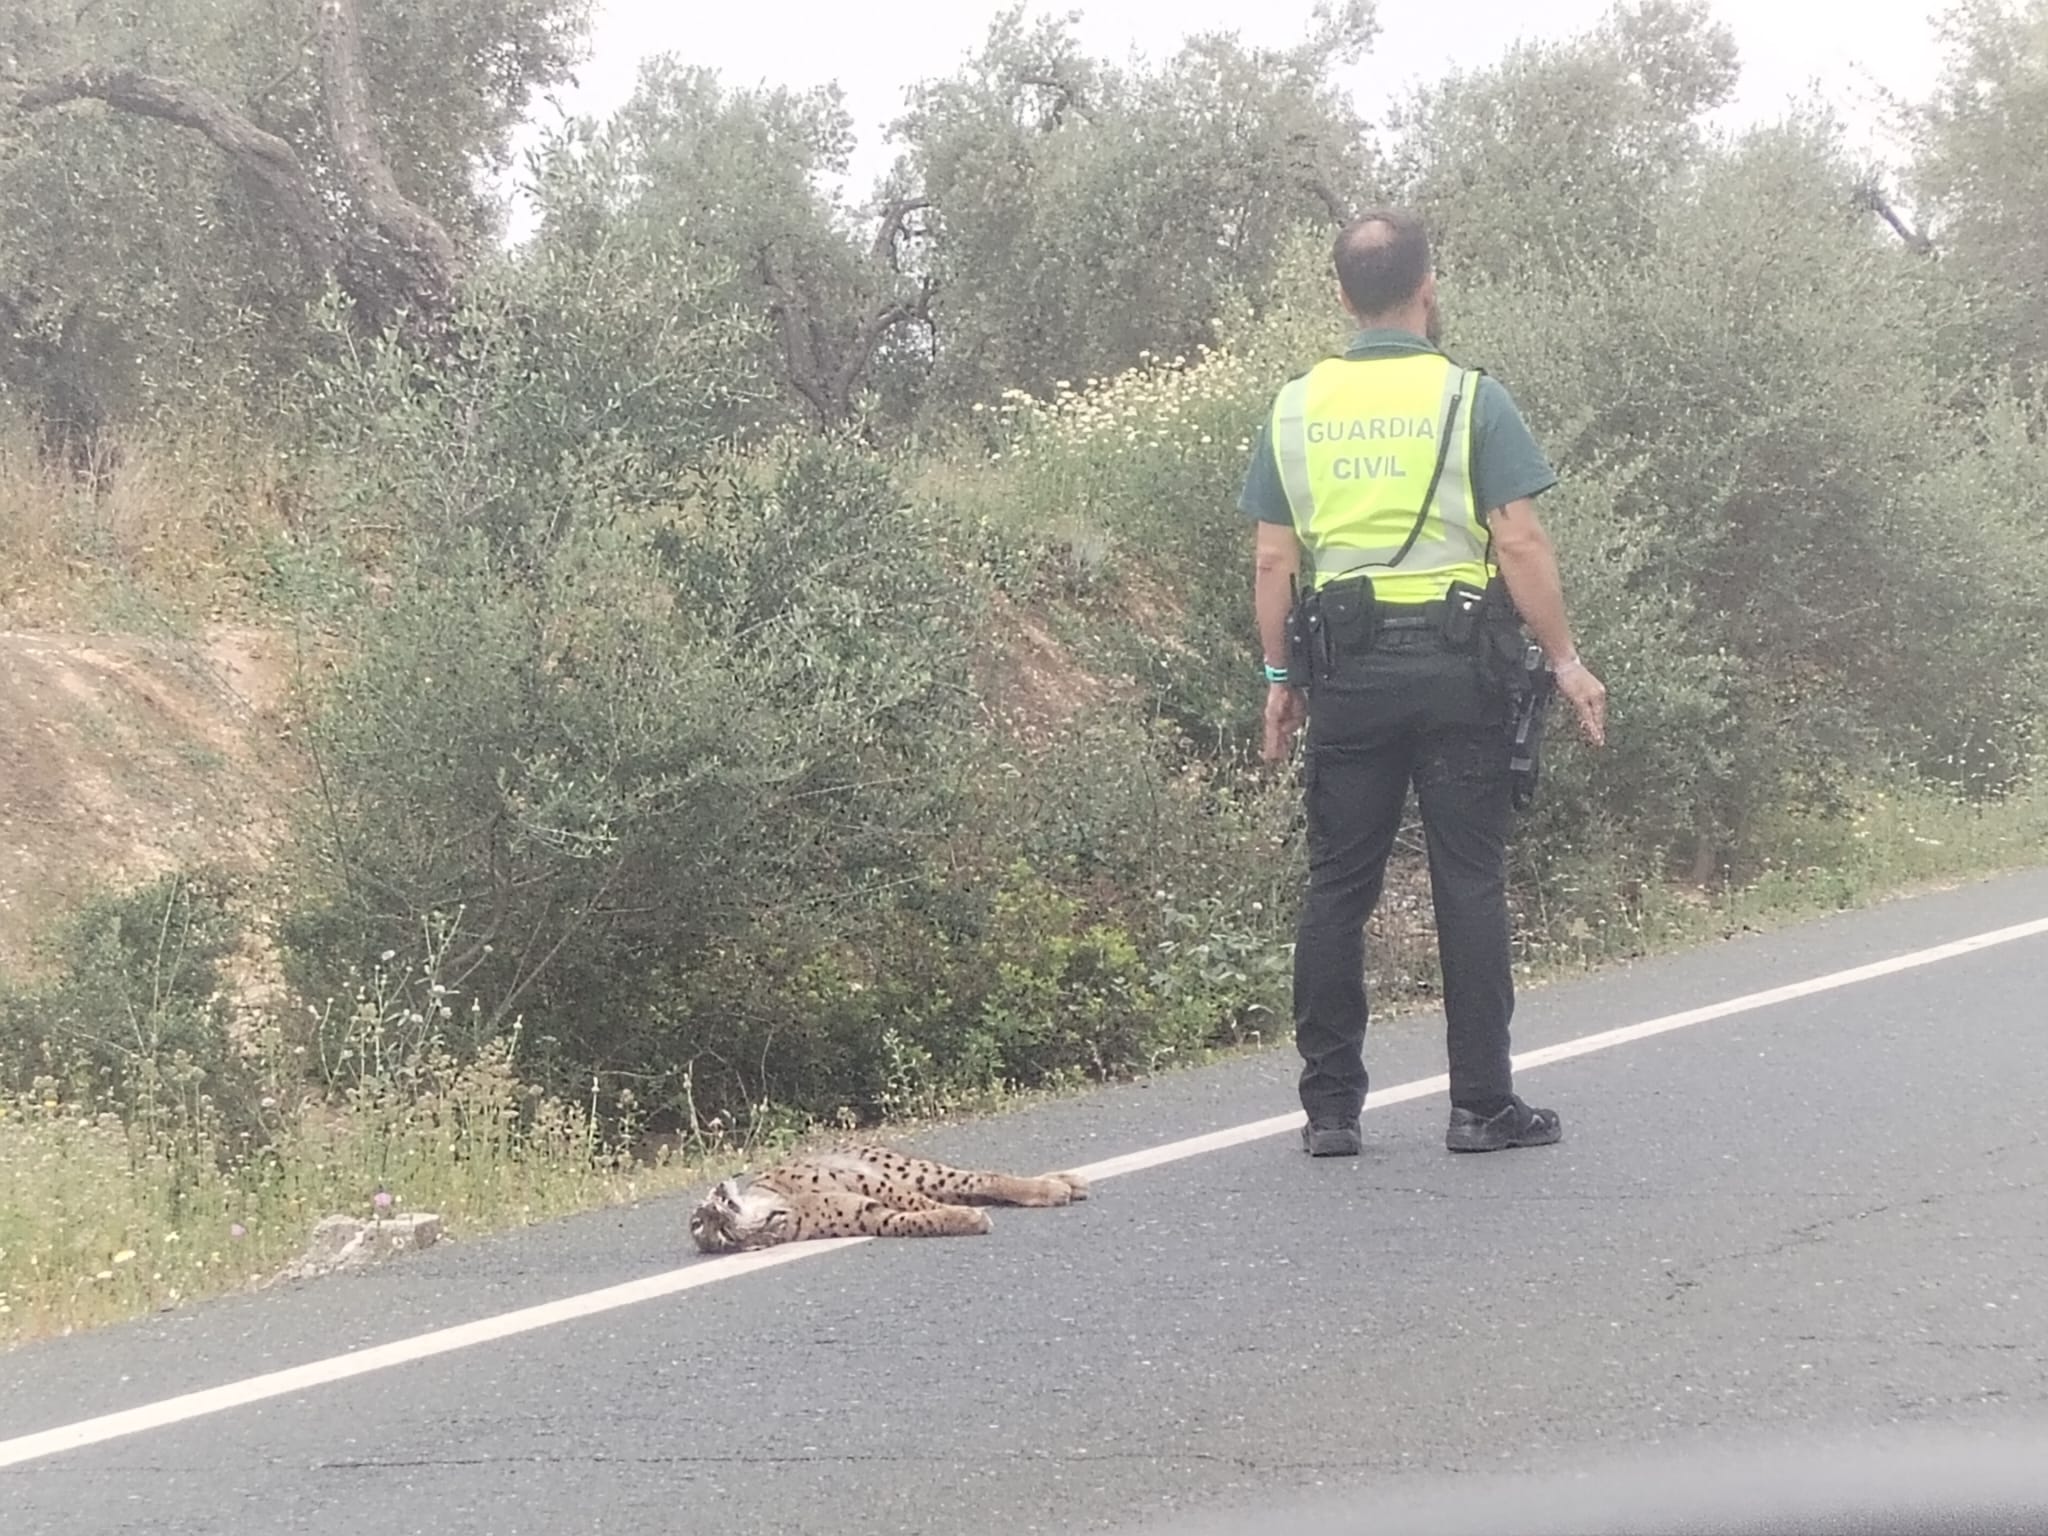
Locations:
{"points": [[1433, 324]]}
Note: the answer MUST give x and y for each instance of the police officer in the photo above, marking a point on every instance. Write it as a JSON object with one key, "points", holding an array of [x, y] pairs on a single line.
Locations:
{"points": [[1410, 482]]}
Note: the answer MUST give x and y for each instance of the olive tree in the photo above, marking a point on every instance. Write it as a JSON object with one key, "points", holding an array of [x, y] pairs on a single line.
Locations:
{"points": [[194, 173]]}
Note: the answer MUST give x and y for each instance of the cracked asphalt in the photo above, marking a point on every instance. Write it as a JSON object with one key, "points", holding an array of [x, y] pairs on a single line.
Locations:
{"points": [[1822, 1218]]}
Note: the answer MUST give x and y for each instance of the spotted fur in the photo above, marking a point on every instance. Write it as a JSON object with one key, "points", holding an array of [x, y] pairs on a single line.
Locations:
{"points": [[865, 1192]]}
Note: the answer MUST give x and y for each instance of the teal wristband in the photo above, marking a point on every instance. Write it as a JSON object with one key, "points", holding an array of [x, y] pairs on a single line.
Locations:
{"points": [[1277, 674]]}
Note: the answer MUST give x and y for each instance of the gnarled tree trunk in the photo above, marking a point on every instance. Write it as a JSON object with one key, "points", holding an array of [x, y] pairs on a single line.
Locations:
{"points": [[828, 384], [397, 255]]}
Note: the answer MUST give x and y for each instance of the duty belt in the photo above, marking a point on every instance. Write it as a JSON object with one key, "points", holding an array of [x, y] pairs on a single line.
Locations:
{"points": [[1411, 615]]}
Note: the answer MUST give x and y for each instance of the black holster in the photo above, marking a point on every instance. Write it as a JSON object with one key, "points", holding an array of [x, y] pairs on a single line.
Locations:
{"points": [[1516, 666], [1529, 709]]}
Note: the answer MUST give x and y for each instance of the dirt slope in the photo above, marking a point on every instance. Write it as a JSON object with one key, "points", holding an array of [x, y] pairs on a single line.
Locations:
{"points": [[122, 758]]}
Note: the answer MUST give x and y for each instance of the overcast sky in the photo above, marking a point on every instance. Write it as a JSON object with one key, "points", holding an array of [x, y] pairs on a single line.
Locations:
{"points": [[1789, 47]]}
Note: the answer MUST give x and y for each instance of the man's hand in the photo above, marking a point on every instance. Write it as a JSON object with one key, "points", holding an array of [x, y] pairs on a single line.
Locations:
{"points": [[1528, 565], [1285, 712], [1588, 696]]}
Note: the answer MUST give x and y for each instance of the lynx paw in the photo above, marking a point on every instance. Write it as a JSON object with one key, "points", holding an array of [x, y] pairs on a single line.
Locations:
{"points": [[1076, 1185]]}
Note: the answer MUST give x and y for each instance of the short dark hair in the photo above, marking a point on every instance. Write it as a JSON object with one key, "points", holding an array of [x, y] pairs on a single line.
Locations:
{"points": [[1382, 259]]}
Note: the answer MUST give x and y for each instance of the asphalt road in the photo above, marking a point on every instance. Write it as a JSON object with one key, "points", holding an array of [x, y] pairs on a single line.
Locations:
{"points": [[1811, 1220]]}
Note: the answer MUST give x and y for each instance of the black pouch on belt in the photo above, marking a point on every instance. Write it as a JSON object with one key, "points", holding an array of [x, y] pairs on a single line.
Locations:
{"points": [[1350, 611], [1464, 605]]}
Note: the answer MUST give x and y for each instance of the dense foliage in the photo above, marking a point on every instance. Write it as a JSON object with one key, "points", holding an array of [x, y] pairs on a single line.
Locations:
{"points": [[800, 666]]}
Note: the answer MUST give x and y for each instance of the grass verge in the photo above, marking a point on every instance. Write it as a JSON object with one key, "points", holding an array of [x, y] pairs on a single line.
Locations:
{"points": [[102, 1220]]}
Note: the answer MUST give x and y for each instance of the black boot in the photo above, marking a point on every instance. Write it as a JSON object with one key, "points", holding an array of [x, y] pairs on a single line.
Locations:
{"points": [[1330, 1139], [1515, 1126]]}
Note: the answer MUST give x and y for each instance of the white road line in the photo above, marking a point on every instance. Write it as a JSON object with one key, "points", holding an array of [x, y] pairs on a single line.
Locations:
{"points": [[319, 1373], [1585, 1045]]}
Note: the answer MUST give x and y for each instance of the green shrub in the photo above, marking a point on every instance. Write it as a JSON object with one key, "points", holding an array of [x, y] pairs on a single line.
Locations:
{"points": [[135, 1015], [584, 381], [636, 742], [1959, 669], [1808, 538], [995, 982]]}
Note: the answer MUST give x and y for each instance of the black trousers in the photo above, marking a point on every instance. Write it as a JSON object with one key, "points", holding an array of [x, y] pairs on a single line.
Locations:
{"points": [[1408, 711]]}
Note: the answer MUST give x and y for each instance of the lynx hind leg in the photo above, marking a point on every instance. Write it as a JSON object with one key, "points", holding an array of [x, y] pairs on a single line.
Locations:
{"points": [[980, 1187], [965, 1186], [1077, 1184], [1016, 1189]]}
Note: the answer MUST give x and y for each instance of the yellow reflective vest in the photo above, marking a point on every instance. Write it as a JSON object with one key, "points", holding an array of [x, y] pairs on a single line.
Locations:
{"points": [[1358, 441]]}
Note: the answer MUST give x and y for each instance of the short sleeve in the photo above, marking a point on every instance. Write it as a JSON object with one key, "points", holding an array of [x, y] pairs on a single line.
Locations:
{"points": [[1264, 498], [1507, 463]]}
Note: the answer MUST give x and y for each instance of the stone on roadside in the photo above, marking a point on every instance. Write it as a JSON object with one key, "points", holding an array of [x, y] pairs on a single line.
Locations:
{"points": [[345, 1242]]}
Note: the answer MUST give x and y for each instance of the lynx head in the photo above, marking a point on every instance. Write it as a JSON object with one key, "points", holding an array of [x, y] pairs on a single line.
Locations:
{"points": [[730, 1219]]}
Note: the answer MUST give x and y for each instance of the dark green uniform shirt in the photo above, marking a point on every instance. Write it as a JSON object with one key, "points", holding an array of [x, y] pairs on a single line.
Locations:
{"points": [[1507, 464]]}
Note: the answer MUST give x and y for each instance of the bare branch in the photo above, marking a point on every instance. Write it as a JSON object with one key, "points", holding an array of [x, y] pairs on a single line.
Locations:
{"points": [[268, 160], [886, 318], [1339, 210], [1070, 97], [16, 327], [1870, 197], [1308, 159], [800, 358], [894, 215], [827, 389]]}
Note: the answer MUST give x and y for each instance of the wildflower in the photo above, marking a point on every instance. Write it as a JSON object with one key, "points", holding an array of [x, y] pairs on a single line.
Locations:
{"points": [[238, 1231], [381, 1200]]}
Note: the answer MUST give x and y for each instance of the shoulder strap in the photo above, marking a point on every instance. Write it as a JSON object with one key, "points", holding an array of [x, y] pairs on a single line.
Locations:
{"points": [[1443, 454]]}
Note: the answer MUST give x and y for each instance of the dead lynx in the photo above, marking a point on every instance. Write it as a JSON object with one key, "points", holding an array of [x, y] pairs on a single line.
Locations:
{"points": [[864, 1192]]}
